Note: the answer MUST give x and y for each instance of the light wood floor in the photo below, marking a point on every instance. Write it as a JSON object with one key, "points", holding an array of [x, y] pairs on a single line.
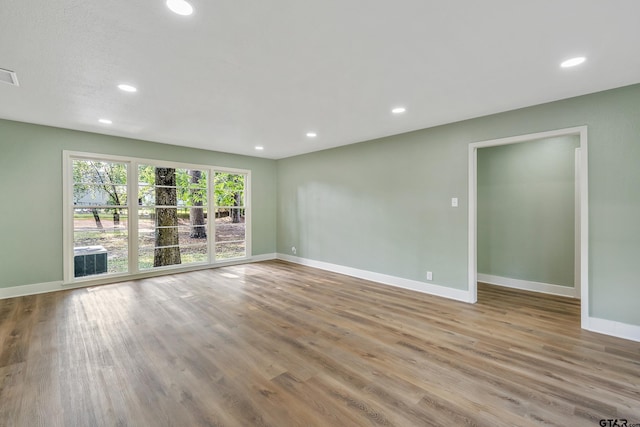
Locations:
{"points": [[278, 344]]}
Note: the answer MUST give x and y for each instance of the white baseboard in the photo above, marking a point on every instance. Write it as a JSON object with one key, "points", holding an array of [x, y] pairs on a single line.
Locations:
{"points": [[613, 328], [527, 285], [36, 288], [263, 257], [414, 285]]}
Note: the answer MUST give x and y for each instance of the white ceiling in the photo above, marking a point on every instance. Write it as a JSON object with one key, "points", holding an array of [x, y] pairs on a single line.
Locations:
{"points": [[240, 73]]}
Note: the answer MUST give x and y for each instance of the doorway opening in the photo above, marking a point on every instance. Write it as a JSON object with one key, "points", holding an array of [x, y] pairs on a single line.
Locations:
{"points": [[580, 261]]}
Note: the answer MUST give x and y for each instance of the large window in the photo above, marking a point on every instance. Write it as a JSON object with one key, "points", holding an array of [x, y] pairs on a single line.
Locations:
{"points": [[124, 216], [100, 217], [230, 214], [172, 216]]}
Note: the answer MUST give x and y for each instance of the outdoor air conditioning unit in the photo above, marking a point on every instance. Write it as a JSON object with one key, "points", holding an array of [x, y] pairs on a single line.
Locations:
{"points": [[89, 260]]}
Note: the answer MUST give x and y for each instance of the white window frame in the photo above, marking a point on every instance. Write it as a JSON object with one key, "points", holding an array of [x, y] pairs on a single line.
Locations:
{"points": [[132, 221], [164, 164], [247, 210]]}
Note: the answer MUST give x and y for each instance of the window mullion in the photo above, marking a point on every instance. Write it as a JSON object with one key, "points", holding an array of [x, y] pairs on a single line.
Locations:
{"points": [[246, 202], [132, 188], [211, 216], [68, 229]]}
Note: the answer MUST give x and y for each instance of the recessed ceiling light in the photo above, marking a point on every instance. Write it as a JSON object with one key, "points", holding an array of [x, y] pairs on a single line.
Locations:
{"points": [[180, 7], [105, 121], [573, 62], [259, 147], [311, 134], [8, 76], [398, 110], [127, 88]]}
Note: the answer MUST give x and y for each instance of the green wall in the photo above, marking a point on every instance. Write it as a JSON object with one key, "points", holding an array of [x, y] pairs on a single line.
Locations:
{"points": [[526, 210], [384, 205], [31, 193]]}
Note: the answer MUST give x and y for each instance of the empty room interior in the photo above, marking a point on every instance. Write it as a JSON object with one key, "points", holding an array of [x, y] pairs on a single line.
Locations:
{"points": [[329, 213]]}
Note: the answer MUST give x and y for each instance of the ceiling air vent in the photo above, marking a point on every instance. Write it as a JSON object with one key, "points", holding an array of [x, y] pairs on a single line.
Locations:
{"points": [[7, 76]]}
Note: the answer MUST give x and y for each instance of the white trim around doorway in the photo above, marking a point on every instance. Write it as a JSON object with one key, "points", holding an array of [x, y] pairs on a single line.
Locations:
{"points": [[582, 217]]}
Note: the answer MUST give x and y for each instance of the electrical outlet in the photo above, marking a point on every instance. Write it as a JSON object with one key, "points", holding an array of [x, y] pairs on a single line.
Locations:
{"points": [[429, 275], [293, 250]]}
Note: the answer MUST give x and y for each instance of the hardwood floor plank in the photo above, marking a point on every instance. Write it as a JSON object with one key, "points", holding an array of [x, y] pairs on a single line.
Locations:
{"points": [[275, 344]]}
